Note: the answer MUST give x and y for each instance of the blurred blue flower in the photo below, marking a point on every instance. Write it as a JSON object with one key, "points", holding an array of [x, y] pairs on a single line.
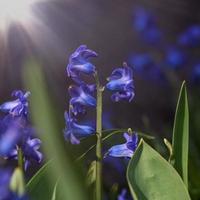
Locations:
{"points": [[123, 195], [175, 58], [79, 63], [121, 81], [140, 61], [196, 74], [30, 148], [9, 139], [17, 107], [81, 97], [190, 37], [73, 131], [127, 149], [142, 19], [145, 23]]}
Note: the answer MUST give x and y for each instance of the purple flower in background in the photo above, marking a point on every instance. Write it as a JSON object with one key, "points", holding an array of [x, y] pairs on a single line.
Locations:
{"points": [[17, 107], [127, 149], [121, 81], [140, 61], [73, 131], [191, 37], [196, 74], [145, 23], [81, 97], [143, 20], [30, 148], [174, 57], [79, 63]]}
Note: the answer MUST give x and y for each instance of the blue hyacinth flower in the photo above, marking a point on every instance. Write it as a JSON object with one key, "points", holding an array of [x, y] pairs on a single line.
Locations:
{"points": [[17, 107], [121, 82], [175, 58], [79, 63], [30, 148], [127, 149], [191, 37], [73, 131], [81, 97]]}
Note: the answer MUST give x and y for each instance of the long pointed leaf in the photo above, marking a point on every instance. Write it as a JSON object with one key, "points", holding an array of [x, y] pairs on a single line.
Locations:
{"points": [[180, 141]]}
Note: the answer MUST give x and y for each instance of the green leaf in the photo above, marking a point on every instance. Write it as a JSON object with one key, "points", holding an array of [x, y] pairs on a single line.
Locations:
{"points": [[46, 123], [40, 187], [180, 140], [151, 177]]}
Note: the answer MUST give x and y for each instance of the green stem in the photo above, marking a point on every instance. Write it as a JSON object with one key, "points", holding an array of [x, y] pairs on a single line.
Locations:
{"points": [[98, 191], [20, 158]]}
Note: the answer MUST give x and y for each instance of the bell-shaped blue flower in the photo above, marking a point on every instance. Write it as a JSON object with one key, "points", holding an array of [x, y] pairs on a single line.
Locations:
{"points": [[121, 81], [81, 97], [127, 149], [30, 148], [73, 131], [79, 63], [17, 107], [191, 37]]}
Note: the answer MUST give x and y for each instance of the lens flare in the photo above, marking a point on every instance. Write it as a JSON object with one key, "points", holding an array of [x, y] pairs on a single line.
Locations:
{"points": [[18, 11]]}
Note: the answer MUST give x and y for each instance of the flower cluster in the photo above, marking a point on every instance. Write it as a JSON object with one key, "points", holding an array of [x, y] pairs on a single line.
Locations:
{"points": [[120, 82], [169, 56], [16, 132], [81, 94]]}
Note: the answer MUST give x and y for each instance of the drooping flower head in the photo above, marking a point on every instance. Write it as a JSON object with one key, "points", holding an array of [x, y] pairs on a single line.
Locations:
{"points": [[73, 131], [17, 107], [80, 98], [127, 149], [79, 63], [121, 82]]}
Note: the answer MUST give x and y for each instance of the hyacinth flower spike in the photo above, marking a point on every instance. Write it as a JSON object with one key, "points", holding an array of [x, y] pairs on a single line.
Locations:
{"points": [[81, 97], [121, 82], [17, 107], [73, 131], [127, 149], [79, 63]]}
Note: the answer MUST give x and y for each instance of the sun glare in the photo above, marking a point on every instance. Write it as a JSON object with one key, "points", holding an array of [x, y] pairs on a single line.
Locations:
{"points": [[14, 11]]}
